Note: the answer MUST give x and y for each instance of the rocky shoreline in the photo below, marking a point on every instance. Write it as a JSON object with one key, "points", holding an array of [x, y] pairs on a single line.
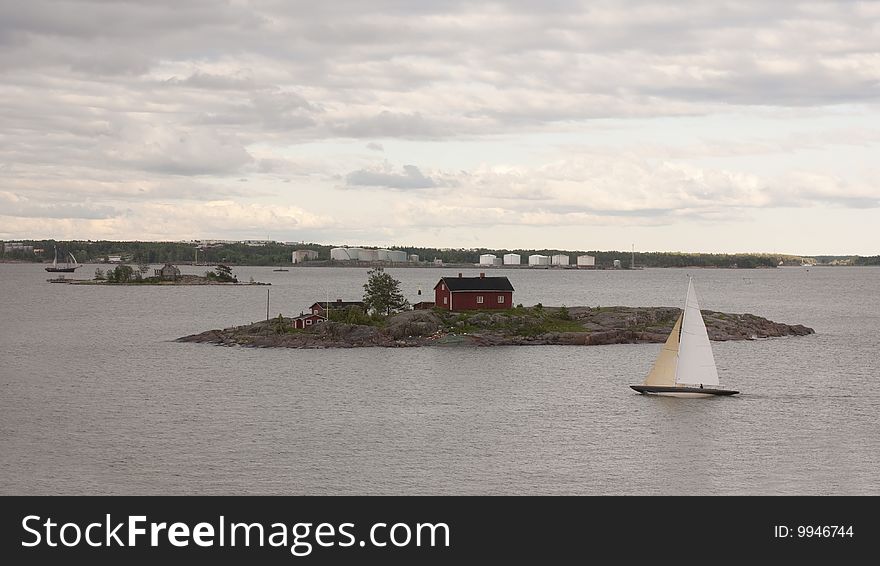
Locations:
{"points": [[183, 280], [577, 326]]}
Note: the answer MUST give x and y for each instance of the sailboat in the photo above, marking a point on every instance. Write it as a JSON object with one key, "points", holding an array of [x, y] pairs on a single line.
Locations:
{"points": [[66, 268], [685, 366]]}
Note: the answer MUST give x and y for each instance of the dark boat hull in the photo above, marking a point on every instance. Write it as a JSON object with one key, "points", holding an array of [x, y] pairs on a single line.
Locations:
{"points": [[61, 269], [682, 391]]}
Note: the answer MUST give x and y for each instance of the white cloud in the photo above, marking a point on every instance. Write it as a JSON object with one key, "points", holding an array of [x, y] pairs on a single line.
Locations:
{"points": [[109, 109]]}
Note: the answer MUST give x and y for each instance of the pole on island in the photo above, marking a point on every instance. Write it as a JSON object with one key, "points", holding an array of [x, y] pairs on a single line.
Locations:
{"points": [[267, 305]]}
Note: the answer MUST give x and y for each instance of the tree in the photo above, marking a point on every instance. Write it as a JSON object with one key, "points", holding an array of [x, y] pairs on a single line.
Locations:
{"points": [[222, 273], [99, 275], [122, 274], [382, 293]]}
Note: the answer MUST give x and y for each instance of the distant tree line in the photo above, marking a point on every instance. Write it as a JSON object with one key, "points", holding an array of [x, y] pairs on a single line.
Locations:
{"points": [[280, 254]]}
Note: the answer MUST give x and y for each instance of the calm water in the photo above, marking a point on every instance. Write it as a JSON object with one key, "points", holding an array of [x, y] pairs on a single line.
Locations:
{"points": [[96, 398]]}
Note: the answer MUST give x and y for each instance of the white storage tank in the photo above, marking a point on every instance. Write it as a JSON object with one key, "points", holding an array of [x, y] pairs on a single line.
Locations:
{"points": [[586, 261], [368, 255], [512, 259], [487, 259], [559, 259], [383, 255], [616, 264], [344, 254], [538, 259], [414, 258], [398, 256]]}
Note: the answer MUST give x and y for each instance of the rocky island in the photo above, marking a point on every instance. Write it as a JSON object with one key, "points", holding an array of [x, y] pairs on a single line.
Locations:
{"points": [[536, 325], [166, 275]]}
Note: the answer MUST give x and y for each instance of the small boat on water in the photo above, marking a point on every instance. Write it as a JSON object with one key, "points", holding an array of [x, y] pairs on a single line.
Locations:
{"points": [[685, 366], [66, 268]]}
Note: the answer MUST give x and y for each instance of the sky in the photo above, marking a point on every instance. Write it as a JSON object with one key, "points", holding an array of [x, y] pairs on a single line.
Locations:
{"points": [[698, 126]]}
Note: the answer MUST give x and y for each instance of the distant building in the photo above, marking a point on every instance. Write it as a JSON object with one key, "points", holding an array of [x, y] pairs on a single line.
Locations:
{"points": [[321, 308], [307, 320], [345, 254], [538, 259], [559, 259], [300, 256], [487, 259], [414, 258], [586, 261], [512, 259], [616, 264], [438, 262], [424, 305], [473, 293], [398, 256], [17, 247], [167, 272]]}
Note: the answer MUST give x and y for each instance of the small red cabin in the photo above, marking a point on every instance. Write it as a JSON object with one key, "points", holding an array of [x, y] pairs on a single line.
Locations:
{"points": [[307, 320], [473, 293]]}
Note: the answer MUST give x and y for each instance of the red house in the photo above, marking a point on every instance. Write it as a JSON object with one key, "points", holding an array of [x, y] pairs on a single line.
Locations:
{"points": [[473, 293], [307, 320]]}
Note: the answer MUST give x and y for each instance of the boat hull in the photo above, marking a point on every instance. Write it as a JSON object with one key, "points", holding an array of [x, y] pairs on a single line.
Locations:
{"points": [[61, 269], [684, 392]]}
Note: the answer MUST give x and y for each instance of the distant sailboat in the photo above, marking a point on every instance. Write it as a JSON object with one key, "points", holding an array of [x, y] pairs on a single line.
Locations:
{"points": [[66, 268], [685, 365]]}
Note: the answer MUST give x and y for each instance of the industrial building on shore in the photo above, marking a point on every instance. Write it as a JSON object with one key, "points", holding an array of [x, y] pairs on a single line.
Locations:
{"points": [[369, 255]]}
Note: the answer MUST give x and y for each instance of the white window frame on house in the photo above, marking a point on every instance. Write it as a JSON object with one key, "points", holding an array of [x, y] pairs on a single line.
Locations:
{"points": [[442, 287], [445, 300], [308, 322], [500, 299], [479, 299]]}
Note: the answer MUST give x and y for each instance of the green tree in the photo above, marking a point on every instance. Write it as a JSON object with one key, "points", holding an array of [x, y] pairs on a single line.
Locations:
{"points": [[222, 273], [382, 293], [122, 274]]}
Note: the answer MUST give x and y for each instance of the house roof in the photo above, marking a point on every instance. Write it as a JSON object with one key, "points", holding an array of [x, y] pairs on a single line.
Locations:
{"points": [[476, 283], [338, 304], [308, 315]]}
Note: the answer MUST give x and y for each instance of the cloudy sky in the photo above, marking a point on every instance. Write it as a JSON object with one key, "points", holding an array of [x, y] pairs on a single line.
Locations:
{"points": [[696, 126]]}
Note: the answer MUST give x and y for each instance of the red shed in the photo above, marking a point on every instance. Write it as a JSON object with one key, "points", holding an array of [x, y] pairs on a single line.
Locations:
{"points": [[307, 320], [473, 293]]}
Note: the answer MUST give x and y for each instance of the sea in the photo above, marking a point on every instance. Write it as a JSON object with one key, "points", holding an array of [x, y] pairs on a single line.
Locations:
{"points": [[96, 397]]}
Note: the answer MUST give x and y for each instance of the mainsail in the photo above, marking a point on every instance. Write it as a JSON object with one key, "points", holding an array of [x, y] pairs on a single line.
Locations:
{"points": [[696, 364], [663, 372]]}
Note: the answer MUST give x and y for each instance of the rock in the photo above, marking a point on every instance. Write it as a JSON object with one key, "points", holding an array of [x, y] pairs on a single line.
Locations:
{"points": [[413, 323], [585, 326]]}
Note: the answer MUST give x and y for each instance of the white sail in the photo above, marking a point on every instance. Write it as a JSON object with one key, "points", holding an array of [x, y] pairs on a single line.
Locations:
{"points": [[696, 364], [663, 372]]}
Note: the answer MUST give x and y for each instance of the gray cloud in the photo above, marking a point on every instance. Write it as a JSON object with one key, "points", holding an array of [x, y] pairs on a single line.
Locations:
{"points": [[19, 207], [411, 178], [163, 101]]}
